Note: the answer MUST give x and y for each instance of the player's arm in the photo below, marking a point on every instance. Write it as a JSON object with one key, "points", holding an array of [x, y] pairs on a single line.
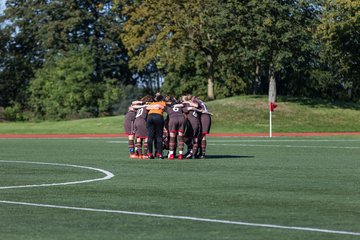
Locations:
{"points": [[193, 109], [155, 107], [178, 105], [192, 104], [137, 102], [206, 112], [139, 106]]}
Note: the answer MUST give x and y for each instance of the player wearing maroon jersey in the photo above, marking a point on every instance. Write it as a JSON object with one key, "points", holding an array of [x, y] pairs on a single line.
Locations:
{"points": [[129, 127], [193, 126], [176, 126], [140, 129], [205, 125]]}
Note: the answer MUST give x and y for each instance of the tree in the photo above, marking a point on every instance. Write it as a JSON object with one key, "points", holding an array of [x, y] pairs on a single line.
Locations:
{"points": [[41, 31], [340, 41], [279, 41], [166, 31], [63, 87]]}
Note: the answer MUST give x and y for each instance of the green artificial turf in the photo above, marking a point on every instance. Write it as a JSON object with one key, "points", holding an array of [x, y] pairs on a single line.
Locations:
{"points": [[295, 182]]}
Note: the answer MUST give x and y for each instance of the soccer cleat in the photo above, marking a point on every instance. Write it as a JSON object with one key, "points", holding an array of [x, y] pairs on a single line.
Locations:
{"points": [[145, 157], [188, 156], [202, 157], [133, 155], [159, 155], [150, 156], [171, 157], [180, 157]]}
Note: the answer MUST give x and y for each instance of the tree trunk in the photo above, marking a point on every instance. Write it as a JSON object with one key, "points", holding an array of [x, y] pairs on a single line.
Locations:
{"points": [[272, 84], [256, 82], [210, 66]]}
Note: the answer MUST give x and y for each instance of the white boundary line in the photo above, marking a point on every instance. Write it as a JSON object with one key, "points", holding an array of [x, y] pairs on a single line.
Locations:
{"points": [[283, 140], [282, 146], [110, 175], [107, 173], [185, 218], [261, 145]]}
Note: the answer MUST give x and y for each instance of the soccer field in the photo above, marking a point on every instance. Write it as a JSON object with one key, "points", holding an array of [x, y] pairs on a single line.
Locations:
{"points": [[247, 188]]}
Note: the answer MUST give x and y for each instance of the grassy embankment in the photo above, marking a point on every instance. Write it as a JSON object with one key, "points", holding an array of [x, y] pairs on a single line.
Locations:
{"points": [[242, 114]]}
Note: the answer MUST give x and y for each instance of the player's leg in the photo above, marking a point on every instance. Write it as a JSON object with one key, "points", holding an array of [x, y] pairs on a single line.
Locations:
{"points": [[187, 137], [145, 148], [205, 129], [159, 127], [180, 137], [202, 145], [172, 144], [139, 147], [151, 134], [131, 144], [196, 133], [181, 144]]}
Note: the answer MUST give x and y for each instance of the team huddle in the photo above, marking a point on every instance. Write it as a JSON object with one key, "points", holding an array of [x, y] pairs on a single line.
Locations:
{"points": [[187, 122]]}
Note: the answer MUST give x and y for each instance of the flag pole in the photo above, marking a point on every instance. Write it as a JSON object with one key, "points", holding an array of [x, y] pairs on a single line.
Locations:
{"points": [[270, 133], [272, 94]]}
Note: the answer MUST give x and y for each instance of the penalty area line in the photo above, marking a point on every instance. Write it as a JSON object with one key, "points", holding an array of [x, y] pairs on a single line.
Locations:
{"points": [[184, 218]]}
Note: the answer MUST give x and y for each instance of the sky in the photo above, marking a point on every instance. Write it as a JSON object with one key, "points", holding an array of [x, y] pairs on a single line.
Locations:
{"points": [[2, 6]]}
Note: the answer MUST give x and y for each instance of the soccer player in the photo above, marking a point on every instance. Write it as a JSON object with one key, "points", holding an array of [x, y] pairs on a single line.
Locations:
{"points": [[193, 126], [129, 127], [176, 126], [155, 125], [140, 129], [205, 125]]}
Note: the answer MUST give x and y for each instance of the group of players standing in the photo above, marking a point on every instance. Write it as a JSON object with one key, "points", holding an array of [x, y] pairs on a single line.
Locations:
{"points": [[187, 121]]}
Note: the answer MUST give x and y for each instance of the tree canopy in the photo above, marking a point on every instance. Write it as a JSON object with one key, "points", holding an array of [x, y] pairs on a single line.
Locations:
{"points": [[100, 54]]}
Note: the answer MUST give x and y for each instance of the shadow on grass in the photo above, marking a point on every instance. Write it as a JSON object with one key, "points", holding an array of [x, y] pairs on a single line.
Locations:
{"points": [[228, 156]]}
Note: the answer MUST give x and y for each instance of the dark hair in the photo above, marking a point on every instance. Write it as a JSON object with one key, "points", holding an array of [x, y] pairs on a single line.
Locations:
{"points": [[147, 98], [168, 98], [159, 98]]}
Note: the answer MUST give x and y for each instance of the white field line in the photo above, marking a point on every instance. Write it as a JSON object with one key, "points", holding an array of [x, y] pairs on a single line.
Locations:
{"points": [[285, 140], [261, 145], [282, 146], [184, 218], [242, 143], [108, 175]]}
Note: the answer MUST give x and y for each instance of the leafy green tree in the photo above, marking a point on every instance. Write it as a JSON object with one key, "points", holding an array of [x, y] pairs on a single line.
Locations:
{"points": [[268, 39], [340, 55], [41, 31], [18, 55], [63, 87], [166, 31], [279, 41]]}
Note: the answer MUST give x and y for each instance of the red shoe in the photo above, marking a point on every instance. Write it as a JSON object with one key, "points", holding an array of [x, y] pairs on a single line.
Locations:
{"points": [[159, 155], [171, 157], [150, 156], [180, 157]]}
